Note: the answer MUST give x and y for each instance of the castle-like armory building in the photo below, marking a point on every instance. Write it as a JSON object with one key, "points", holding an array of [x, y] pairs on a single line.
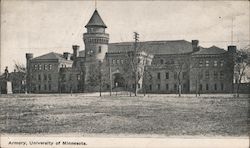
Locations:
{"points": [[150, 66]]}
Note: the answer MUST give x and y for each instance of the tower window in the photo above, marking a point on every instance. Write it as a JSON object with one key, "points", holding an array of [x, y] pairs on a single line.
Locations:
{"points": [[100, 49]]}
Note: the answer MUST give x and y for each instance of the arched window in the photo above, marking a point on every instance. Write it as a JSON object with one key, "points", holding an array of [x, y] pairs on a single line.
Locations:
{"points": [[100, 49]]}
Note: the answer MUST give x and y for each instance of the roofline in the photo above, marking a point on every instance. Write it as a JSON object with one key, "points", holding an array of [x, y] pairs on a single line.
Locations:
{"points": [[151, 41]]}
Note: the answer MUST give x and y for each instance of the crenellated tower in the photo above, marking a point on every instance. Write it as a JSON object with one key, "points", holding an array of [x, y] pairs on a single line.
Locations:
{"points": [[95, 40]]}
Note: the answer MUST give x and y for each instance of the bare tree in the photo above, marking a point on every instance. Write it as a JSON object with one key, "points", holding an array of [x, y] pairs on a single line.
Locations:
{"points": [[242, 62], [19, 67], [180, 64]]}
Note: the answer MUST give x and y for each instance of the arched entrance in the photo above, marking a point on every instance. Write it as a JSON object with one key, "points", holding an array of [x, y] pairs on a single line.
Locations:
{"points": [[119, 81]]}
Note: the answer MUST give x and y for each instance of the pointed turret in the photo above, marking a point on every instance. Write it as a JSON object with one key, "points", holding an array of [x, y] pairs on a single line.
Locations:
{"points": [[96, 21], [95, 40]]}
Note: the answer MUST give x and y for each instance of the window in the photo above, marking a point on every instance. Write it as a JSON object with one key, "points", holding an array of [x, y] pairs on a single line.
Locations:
{"points": [[113, 61], [159, 86], [100, 49], [39, 87], [167, 87], [45, 77], [184, 86], [122, 61], [117, 61], [78, 77], [158, 75], [45, 87], [207, 63], [175, 87], [167, 75], [63, 77], [222, 63], [175, 75], [207, 87], [161, 61], [50, 66], [207, 74], [200, 75], [49, 76], [215, 63], [39, 77], [49, 86], [184, 75], [150, 87], [40, 67], [215, 86], [200, 88], [45, 67], [200, 63], [221, 75], [35, 67], [222, 86], [215, 75]]}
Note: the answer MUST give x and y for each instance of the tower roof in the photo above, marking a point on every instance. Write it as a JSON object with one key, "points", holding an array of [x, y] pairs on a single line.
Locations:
{"points": [[96, 20]]}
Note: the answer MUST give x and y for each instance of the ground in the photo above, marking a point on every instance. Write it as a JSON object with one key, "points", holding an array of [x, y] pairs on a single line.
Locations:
{"points": [[170, 115]]}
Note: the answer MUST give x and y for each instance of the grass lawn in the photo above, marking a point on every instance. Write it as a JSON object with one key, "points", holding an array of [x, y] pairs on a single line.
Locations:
{"points": [[156, 114]]}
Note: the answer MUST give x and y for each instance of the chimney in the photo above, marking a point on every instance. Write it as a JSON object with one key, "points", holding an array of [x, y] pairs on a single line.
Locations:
{"points": [[231, 49], [75, 51], [28, 57], [195, 44], [66, 55]]}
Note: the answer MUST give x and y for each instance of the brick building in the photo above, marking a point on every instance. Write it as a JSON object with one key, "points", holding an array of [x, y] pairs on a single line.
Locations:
{"points": [[151, 66]]}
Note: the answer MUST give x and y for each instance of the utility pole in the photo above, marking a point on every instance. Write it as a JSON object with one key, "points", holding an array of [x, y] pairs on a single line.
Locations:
{"points": [[232, 32], [110, 78], [136, 37]]}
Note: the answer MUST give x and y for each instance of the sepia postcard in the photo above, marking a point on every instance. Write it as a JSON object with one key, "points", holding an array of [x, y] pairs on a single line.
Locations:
{"points": [[124, 74]]}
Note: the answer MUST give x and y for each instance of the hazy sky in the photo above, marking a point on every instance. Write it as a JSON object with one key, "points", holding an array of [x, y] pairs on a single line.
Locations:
{"points": [[44, 26]]}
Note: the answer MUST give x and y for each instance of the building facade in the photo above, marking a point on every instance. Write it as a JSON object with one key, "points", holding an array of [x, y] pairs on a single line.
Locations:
{"points": [[150, 66]]}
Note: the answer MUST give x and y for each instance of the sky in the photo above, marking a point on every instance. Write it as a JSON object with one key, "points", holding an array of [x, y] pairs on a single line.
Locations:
{"points": [[40, 27]]}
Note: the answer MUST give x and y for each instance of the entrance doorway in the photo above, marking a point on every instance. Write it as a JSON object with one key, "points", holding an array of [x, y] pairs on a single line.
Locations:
{"points": [[119, 81]]}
